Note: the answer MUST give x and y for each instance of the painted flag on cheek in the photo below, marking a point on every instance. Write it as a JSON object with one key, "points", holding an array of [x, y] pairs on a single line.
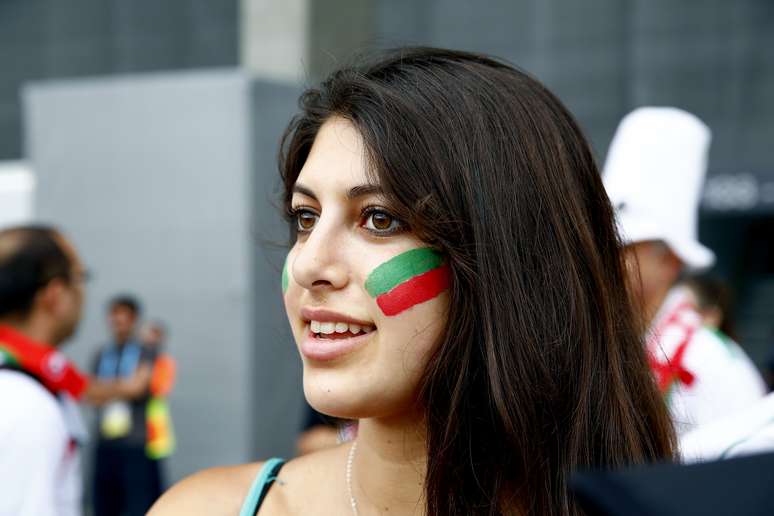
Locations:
{"points": [[407, 280]]}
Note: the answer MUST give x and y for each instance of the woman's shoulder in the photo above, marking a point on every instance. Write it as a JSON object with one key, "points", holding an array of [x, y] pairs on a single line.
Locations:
{"points": [[310, 484], [222, 490], [213, 491]]}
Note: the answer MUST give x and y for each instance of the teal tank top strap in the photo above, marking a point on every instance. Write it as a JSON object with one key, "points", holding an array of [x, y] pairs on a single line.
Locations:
{"points": [[261, 486]]}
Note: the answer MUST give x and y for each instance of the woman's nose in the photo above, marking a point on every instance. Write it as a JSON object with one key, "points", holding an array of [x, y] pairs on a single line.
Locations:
{"points": [[318, 262]]}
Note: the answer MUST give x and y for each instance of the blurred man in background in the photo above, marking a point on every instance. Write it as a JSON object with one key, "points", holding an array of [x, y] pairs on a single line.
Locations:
{"points": [[126, 480], [41, 295], [654, 174]]}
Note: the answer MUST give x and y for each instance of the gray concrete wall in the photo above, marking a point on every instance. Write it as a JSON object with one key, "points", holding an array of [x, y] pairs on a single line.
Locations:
{"points": [[276, 371], [154, 177], [48, 39], [273, 38]]}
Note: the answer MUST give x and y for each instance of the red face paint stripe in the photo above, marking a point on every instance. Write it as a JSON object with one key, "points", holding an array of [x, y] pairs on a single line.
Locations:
{"points": [[402, 268], [418, 289]]}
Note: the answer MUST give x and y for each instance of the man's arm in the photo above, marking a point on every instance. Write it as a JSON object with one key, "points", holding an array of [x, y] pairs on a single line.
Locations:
{"points": [[138, 385], [134, 387]]}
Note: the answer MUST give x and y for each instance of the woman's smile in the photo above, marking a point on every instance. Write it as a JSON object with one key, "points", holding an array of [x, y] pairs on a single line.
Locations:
{"points": [[326, 347], [330, 334]]}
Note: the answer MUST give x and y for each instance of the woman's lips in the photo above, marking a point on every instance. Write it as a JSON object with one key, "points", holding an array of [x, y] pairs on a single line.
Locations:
{"points": [[323, 315], [315, 348]]}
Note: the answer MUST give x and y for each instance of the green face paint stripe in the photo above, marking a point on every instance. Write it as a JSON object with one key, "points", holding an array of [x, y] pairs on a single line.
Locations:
{"points": [[402, 268], [285, 277]]}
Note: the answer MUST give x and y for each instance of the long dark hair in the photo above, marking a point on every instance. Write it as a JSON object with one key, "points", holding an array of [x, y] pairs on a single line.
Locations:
{"points": [[541, 370]]}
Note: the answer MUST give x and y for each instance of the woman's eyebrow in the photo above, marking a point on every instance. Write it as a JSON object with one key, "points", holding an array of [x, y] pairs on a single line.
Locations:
{"points": [[353, 193], [361, 190], [297, 188]]}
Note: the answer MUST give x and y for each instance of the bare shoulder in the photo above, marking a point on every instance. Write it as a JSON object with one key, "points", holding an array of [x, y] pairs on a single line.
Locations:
{"points": [[212, 491], [321, 463], [312, 484]]}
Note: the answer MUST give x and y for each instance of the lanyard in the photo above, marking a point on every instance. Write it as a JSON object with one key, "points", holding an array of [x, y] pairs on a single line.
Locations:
{"points": [[115, 363]]}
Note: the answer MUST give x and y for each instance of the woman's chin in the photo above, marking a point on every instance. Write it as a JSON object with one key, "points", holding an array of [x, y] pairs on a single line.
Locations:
{"points": [[356, 391], [342, 399], [342, 406]]}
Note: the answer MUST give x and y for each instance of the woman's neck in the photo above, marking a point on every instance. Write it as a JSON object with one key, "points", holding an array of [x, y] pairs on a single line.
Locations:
{"points": [[389, 466]]}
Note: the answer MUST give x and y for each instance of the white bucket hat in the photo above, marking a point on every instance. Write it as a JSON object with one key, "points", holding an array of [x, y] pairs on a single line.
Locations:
{"points": [[654, 173]]}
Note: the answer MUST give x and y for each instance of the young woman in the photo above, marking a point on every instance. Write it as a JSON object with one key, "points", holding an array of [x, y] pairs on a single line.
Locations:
{"points": [[455, 284]]}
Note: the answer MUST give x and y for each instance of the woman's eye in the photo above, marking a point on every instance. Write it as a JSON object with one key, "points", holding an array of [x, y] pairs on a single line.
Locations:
{"points": [[305, 220], [379, 221]]}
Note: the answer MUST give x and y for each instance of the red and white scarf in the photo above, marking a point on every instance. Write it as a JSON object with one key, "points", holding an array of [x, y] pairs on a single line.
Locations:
{"points": [[45, 363], [668, 340]]}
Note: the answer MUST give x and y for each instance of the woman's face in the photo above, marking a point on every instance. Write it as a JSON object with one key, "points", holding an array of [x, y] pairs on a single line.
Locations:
{"points": [[365, 298]]}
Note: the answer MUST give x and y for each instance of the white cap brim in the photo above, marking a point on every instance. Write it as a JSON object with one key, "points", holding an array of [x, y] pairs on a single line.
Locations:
{"points": [[693, 254]]}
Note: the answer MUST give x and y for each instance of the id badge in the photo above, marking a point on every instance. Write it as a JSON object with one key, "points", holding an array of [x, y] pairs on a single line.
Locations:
{"points": [[116, 420]]}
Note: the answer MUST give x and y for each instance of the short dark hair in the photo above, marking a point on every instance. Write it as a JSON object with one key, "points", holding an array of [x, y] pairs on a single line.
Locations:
{"points": [[30, 258], [125, 301], [713, 292]]}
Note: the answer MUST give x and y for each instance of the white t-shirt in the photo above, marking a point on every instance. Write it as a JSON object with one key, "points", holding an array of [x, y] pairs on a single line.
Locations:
{"points": [[726, 382], [40, 470], [746, 432]]}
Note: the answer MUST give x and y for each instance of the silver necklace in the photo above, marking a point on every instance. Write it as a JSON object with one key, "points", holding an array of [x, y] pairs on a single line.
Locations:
{"points": [[350, 459]]}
